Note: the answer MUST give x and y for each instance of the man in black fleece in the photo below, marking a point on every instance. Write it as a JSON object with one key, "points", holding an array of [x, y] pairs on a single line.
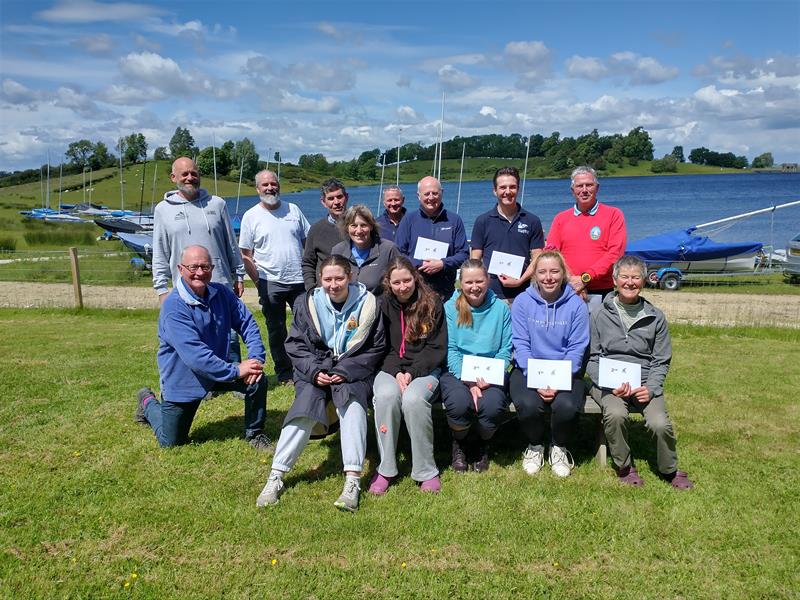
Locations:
{"points": [[324, 234]]}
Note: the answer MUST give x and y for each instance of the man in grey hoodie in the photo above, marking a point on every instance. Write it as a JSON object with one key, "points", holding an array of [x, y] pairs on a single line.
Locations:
{"points": [[188, 216]]}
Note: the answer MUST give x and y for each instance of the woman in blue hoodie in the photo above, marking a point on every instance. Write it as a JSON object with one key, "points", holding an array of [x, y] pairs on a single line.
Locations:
{"points": [[479, 324], [549, 321], [336, 344]]}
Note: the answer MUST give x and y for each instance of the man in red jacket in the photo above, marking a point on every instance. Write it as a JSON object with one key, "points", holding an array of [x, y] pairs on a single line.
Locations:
{"points": [[590, 235]]}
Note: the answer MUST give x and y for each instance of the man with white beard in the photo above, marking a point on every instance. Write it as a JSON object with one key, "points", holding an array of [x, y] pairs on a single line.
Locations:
{"points": [[271, 240]]}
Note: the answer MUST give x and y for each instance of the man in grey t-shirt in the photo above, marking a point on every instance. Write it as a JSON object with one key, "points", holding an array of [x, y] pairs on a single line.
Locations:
{"points": [[271, 240]]}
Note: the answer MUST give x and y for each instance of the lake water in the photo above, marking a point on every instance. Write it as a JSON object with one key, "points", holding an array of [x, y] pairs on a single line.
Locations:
{"points": [[652, 205]]}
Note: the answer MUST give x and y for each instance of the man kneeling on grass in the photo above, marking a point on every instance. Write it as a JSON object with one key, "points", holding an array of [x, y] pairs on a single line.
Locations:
{"points": [[193, 332]]}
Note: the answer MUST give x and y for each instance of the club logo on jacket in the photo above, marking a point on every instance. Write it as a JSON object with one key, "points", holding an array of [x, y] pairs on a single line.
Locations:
{"points": [[522, 228], [595, 233], [352, 323]]}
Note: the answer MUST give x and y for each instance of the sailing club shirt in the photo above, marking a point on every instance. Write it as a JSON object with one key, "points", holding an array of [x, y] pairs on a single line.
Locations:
{"points": [[590, 242], [492, 231]]}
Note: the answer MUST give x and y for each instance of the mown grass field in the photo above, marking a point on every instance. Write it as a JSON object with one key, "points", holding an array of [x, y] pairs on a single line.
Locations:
{"points": [[90, 507]]}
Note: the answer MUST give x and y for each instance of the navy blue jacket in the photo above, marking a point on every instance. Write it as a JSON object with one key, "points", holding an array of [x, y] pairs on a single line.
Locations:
{"points": [[388, 230], [445, 227]]}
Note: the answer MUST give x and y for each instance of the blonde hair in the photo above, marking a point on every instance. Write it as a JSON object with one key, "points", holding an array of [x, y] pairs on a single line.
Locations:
{"points": [[556, 255], [464, 318]]}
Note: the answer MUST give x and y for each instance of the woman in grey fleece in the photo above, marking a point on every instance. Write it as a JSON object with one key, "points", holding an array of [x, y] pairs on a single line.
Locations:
{"points": [[628, 328]]}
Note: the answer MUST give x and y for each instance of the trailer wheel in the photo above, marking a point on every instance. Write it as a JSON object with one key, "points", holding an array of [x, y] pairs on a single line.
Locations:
{"points": [[652, 278], [670, 282]]}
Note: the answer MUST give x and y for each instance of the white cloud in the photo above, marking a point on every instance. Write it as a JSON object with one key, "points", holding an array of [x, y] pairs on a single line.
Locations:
{"points": [[155, 70], [360, 133], [488, 111], [454, 79], [643, 70], [99, 44], [144, 43], [322, 77], [14, 92], [89, 11], [531, 60], [80, 103], [406, 114], [127, 95], [290, 102], [586, 67]]}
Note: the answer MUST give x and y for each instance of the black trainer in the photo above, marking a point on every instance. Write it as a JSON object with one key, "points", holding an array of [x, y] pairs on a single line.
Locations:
{"points": [[459, 463], [482, 464]]}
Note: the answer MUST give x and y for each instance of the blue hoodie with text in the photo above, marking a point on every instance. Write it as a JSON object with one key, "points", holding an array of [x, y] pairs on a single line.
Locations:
{"points": [[552, 331]]}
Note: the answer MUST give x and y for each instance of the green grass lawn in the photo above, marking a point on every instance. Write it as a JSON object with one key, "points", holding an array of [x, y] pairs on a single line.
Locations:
{"points": [[90, 507]]}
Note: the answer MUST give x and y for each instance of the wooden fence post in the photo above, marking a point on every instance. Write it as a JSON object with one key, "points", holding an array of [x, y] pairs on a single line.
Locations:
{"points": [[76, 277]]}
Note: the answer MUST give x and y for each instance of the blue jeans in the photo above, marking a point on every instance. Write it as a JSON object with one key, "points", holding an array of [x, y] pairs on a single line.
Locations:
{"points": [[171, 421]]}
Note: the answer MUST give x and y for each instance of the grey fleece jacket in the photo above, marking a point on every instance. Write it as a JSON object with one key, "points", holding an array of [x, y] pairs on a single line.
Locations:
{"points": [[179, 223], [647, 343]]}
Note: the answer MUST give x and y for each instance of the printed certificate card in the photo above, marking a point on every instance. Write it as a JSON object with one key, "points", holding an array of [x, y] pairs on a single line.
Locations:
{"points": [[427, 249], [491, 369], [506, 264], [613, 373], [553, 374]]}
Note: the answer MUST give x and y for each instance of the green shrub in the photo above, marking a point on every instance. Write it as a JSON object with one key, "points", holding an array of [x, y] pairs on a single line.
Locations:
{"points": [[60, 238], [8, 244]]}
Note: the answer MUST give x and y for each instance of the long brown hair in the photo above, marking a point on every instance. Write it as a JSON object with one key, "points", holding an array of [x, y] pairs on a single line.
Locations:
{"points": [[420, 314], [463, 307]]}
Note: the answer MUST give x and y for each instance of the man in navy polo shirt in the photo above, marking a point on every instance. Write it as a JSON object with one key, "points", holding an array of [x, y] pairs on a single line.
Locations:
{"points": [[434, 222], [507, 228], [393, 212]]}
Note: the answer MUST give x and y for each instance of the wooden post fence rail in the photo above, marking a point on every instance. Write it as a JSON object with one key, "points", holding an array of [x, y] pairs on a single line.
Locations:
{"points": [[76, 277]]}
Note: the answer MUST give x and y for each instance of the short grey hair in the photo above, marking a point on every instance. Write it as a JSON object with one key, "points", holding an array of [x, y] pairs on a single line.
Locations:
{"points": [[331, 185], [392, 188], [630, 261], [583, 169], [263, 173]]}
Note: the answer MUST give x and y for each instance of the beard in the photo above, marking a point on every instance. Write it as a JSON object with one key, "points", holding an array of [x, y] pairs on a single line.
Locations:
{"points": [[189, 191], [270, 200]]}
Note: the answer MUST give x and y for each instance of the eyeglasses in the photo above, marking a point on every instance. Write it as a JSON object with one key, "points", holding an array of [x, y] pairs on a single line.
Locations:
{"points": [[195, 268]]}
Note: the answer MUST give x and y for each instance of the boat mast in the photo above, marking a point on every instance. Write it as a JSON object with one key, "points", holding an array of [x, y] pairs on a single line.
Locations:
{"points": [[747, 214], [525, 171], [399, 131], [141, 191], [460, 176], [441, 142], [239, 189], [153, 195], [380, 190], [214, 154], [60, 178], [121, 185], [48, 180]]}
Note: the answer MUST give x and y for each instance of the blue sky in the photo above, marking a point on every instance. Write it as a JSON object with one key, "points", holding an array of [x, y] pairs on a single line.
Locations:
{"points": [[343, 77]]}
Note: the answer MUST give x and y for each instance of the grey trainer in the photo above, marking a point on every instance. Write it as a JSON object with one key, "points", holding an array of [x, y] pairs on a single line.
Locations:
{"points": [[348, 501], [271, 493]]}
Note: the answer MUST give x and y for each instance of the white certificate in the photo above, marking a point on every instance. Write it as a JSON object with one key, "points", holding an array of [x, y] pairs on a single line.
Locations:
{"points": [[506, 264], [613, 373], [427, 249], [492, 370], [553, 374]]}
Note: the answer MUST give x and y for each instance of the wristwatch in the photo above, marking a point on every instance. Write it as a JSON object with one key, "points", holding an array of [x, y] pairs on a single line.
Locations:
{"points": [[586, 278]]}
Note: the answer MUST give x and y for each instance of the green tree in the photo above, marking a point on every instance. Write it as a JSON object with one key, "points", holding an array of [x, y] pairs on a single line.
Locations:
{"points": [[160, 153], [133, 148], [245, 150], [101, 157], [763, 161], [677, 152], [698, 156], [668, 164], [638, 145], [80, 152], [205, 162], [182, 143], [314, 162]]}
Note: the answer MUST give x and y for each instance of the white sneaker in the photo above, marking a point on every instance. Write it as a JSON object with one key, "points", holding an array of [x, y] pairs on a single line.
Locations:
{"points": [[561, 463], [271, 493], [532, 459], [348, 500]]}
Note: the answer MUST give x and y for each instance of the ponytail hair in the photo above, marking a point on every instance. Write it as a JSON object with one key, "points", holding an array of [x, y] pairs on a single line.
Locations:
{"points": [[464, 318], [554, 254]]}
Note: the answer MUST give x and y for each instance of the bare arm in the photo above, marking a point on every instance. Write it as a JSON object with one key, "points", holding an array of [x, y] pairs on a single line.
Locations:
{"points": [[250, 264]]}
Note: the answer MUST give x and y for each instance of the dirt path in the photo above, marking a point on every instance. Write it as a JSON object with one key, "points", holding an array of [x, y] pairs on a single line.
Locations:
{"points": [[680, 307]]}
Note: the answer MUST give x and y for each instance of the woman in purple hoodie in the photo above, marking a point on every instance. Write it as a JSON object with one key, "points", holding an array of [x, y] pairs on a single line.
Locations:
{"points": [[549, 321]]}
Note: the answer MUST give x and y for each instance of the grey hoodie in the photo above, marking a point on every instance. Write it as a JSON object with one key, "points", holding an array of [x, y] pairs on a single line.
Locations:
{"points": [[647, 343], [179, 223]]}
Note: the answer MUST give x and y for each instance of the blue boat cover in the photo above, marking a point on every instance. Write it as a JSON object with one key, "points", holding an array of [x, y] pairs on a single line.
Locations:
{"points": [[681, 245]]}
